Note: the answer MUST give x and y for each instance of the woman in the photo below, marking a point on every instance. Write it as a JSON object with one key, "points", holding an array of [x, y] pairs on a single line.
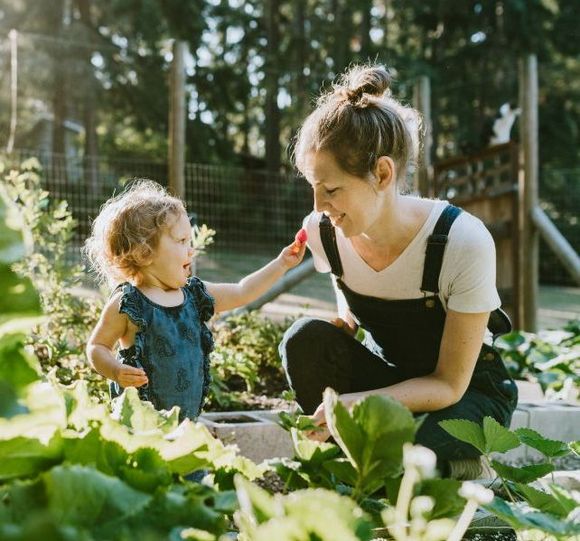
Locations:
{"points": [[417, 275]]}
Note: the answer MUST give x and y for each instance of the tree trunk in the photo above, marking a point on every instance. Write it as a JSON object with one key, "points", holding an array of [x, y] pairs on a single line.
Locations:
{"points": [[272, 112], [59, 101], [365, 38], [300, 84], [90, 160]]}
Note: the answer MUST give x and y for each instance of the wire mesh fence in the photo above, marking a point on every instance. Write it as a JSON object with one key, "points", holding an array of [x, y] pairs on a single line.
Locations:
{"points": [[253, 212]]}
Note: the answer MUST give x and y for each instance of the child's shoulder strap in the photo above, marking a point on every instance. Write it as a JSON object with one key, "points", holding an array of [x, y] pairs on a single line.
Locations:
{"points": [[204, 301], [131, 304]]}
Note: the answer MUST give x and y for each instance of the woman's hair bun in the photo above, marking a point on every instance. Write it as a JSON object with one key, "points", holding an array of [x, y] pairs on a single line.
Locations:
{"points": [[359, 80]]}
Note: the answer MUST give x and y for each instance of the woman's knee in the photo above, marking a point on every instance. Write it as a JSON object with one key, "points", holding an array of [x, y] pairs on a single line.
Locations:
{"points": [[304, 338]]}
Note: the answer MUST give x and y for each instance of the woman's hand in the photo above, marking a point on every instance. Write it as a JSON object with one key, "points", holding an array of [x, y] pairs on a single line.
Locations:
{"points": [[342, 324], [319, 419], [129, 376]]}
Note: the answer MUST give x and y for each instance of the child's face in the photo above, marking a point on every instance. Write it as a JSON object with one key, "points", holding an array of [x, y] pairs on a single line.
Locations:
{"points": [[171, 264]]}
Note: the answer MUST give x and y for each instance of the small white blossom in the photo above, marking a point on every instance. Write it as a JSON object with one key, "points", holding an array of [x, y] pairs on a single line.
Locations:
{"points": [[420, 458], [475, 492], [421, 505], [438, 530]]}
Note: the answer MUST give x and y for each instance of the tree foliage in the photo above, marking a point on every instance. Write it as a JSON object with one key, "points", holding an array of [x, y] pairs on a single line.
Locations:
{"points": [[121, 51]]}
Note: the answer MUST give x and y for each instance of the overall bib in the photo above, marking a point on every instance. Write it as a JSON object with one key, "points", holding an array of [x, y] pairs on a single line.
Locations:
{"points": [[402, 341]]}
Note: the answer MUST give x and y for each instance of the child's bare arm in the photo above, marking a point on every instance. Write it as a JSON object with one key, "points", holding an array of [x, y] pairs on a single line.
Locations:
{"points": [[249, 288], [112, 326]]}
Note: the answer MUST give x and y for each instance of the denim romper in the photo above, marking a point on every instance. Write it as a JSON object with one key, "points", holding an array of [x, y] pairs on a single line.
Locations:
{"points": [[402, 341], [172, 345]]}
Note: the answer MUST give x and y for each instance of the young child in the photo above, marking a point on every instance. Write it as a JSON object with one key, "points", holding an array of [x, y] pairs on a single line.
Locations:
{"points": [[157, 314]]}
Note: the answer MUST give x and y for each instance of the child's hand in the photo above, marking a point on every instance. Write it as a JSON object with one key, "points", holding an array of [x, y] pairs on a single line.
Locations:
{"points": [[129, 376], [293, 254]]}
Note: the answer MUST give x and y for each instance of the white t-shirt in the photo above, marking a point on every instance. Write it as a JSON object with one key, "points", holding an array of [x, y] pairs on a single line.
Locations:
{"points": [[466, 281]]}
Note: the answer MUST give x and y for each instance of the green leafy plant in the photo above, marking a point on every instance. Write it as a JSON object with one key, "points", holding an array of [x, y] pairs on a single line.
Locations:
{"points": [[371, 436], [68, 465], [47, 227], [309, 514], [550, 509], [245, 360], [551, 358]]}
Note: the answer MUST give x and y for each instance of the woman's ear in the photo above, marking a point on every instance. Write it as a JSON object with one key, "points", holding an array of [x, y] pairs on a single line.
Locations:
{"points": [[385, 172]]}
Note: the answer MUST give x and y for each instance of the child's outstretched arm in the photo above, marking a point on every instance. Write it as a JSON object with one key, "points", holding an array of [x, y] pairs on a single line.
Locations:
{"points": [[111, 328], [249, 288]]}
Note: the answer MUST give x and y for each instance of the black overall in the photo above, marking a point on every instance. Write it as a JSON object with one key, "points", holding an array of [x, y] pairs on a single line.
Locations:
{"points": [[402, 341]]}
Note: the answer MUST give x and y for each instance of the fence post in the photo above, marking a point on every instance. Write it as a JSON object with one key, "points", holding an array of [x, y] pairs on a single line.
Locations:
{"points": [[528, 183], [177, 120], [423, 171], [13, 36]]}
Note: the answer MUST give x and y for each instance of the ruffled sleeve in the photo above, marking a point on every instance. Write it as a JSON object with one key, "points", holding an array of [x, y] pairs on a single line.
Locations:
{"points": [[131, 304], [204, 301]]}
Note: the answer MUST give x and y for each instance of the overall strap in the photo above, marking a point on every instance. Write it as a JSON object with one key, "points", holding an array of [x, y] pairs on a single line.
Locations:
{"points": [[328, 238], [436, 248]]}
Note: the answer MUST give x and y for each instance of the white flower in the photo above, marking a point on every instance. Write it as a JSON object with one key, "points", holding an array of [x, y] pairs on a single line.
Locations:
{"points": [[438, 530], [475, 492], [421, 505], [420, 458]]}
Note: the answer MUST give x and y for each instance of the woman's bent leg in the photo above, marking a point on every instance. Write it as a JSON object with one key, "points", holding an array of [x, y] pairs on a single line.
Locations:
{"points": [[316, 354], [474, 406]]}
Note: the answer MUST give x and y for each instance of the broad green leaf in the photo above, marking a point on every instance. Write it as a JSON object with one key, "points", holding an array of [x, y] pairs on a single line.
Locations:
{"points": [[466, 431], [329, 516], [568, 499], [9, 404], [308, 450], [145, 471], [255, 502], [20, 499], [141, 416], [525, 474], [575, 447], [543, 501], [521, 516], [188, 505], [80, 407], [343, 470], [549, 448], [83, 496], [26, 457], [386, 426], [448, 503], [17, 368], [498, 439], [344, 430]]}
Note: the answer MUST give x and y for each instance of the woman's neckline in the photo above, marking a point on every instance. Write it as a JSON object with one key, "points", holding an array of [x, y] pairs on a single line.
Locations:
{"points": [[435, 210]]}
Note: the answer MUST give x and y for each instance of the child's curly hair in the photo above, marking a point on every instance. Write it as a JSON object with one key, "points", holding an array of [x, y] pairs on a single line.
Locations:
{"points": [[127, 230]]}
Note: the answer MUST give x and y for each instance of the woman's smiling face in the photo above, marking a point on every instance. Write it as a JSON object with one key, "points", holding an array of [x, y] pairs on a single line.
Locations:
{"points": [[351, 202]]}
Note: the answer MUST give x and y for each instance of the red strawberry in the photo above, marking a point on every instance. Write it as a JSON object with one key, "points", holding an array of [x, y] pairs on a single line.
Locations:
{"points": [[299, 240], [301, 236]]}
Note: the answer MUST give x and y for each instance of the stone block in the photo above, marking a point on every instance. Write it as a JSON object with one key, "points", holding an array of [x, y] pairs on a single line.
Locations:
{"points": [[256, 433], [529, 391]]}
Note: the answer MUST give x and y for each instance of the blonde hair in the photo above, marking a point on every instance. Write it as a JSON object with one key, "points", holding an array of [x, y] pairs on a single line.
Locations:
{"points": [[127, 230], [358, 122]]}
